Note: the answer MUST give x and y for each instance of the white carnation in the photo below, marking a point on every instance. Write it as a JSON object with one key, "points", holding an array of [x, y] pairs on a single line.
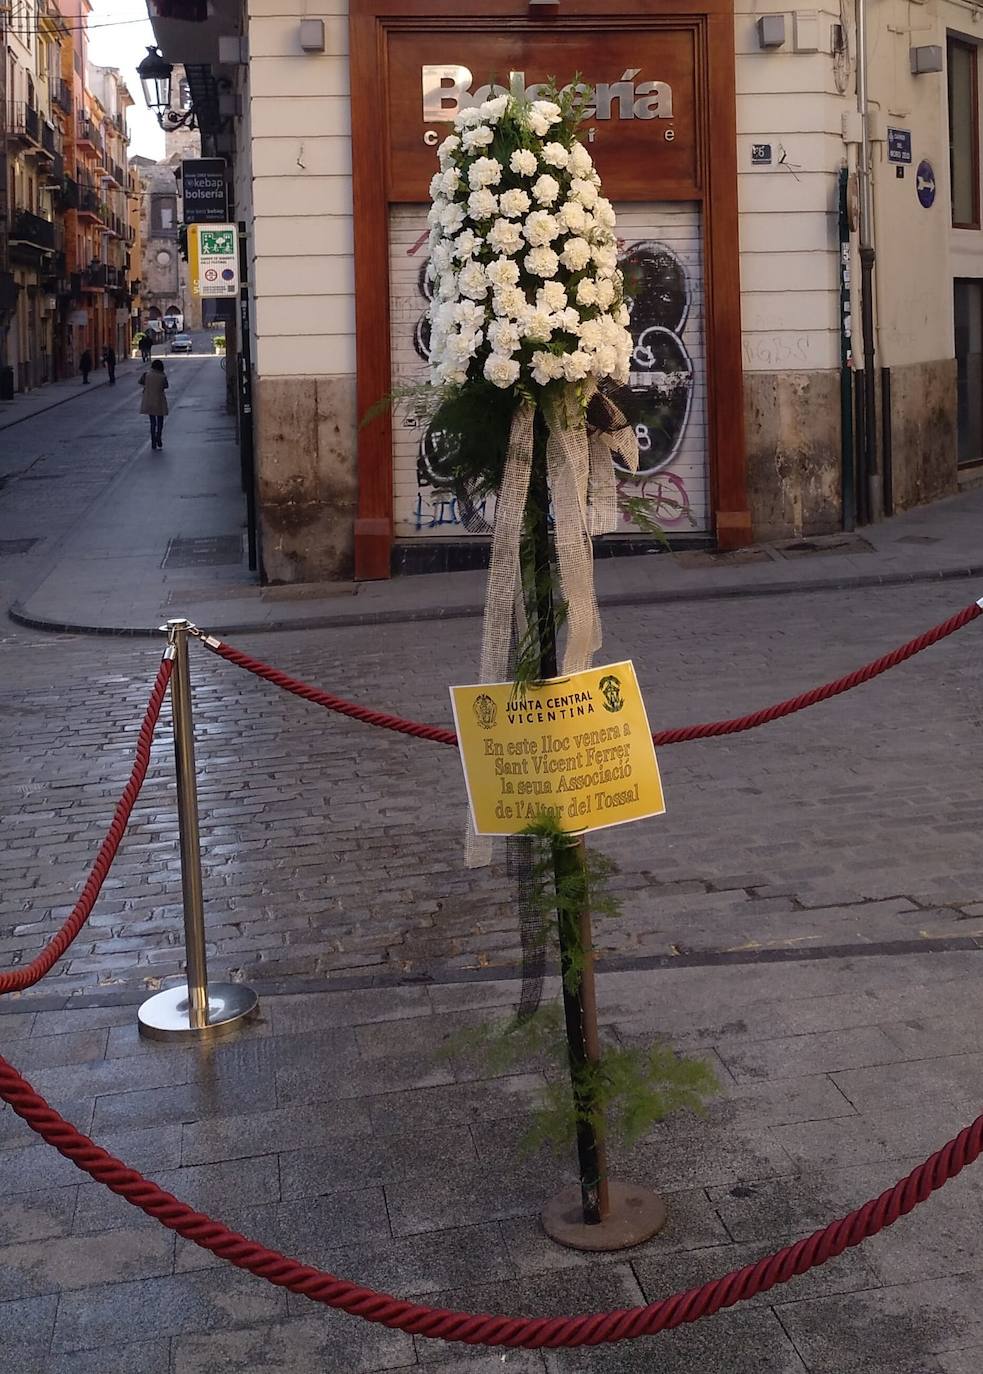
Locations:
{"points": [[523, 162], [583, 190], [605, 292], [537, 326], [441, 257], [478, 137], [504, 336], [494, 109], [540, 228], [447, 286], [555, 154], [538, 123], [577, 365], [436, 185], [545, 189], [623, 315], [552, 296], [473, 282], [503, 272], [572, 216], [466, 244], [580, 163], [500, 370], [450, 374], [606, 260], [504, 236], [481, 205], [604, 213], [447, 149], [569, 320], [468, 117], [606, 361], [462, 345], [549, 109], [542, 262], [450, 181], [452, 219], [587, 291], [468, 316], [484, 171], [546, 367], [514, 202], [576, 254], [509, 301]]}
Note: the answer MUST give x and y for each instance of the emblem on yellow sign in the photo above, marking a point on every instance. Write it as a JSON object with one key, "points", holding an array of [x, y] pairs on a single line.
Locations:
{"points": [[578, 749]]}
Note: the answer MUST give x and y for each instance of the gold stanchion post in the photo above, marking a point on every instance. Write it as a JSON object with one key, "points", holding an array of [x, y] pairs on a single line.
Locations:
{"points": [[194, 1010]]}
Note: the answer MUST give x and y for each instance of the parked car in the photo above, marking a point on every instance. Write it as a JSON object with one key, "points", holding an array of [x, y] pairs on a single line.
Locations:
{"points": [[181, 343]]}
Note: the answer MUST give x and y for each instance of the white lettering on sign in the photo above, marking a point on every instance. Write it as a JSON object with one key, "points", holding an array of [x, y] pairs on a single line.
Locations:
{"points": [[447, 91]]}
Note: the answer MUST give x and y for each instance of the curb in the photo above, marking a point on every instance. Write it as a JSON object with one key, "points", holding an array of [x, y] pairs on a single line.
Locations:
{"points": [[21, 615], [73, 396]]}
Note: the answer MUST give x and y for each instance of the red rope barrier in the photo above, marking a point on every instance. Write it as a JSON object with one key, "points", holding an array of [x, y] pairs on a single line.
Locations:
{"points": [[532, 1333], [15, 980], [438, 735]]}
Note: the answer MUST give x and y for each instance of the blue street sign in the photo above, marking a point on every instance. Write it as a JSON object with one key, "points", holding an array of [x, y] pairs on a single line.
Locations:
{"points": [[925, 184], [899, 145]]}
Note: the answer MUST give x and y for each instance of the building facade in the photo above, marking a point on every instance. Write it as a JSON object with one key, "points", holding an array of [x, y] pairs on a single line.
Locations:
{"points": [[809, 332], [65, 257]]}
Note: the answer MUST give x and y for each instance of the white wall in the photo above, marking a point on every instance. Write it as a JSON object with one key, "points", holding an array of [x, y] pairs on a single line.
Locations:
{"points": [[788, 208], [301, 191]]}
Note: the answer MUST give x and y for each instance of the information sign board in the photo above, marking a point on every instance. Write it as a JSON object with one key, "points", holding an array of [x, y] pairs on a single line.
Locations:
{"points": [[213, 257]]}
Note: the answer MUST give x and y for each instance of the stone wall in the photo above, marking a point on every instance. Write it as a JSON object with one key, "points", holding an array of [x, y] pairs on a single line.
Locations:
{"points": [[792, 421], [923, 432], [307, 483]]}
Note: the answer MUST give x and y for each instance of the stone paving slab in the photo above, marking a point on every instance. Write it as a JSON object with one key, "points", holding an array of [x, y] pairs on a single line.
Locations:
{"points": [[425, 1193]]}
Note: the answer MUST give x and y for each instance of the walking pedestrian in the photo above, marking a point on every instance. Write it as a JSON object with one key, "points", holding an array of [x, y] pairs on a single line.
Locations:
{"points": [[109, 358], [154, 402], [85, 366], [146, 347]]}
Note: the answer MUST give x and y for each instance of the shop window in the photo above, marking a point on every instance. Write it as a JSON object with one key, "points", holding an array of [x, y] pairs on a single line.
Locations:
{"points": [[964, 134]]}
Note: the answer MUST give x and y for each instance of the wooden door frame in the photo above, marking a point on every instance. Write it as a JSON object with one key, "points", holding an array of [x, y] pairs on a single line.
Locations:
{"points": [[368, 24]]}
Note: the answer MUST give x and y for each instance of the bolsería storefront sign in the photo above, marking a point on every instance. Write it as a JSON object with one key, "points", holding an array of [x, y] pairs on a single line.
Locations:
{"points": [[447, 89], [642, 118]]}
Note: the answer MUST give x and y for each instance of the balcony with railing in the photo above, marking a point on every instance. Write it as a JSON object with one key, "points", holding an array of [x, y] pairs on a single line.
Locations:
{"points": [[61, 95], [31, 231], [90, 202], [24, 123], [95, 276], [50, 142], [88, 133]]}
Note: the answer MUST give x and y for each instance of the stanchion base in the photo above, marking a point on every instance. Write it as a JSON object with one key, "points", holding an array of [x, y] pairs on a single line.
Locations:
{"points": [[636, 1215], [167, 1015]]}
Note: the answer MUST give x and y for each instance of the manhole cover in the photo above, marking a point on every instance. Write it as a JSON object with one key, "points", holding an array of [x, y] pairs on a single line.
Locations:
{"points": [[822, 543], [211, 551], [9, 547]]}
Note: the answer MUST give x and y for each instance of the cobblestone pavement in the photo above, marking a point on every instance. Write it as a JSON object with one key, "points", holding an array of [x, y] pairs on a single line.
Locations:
{"points": [[332, 848], [334, 1131]]}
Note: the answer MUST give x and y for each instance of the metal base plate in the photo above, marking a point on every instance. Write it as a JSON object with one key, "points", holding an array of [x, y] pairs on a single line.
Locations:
{"points": [[636, 1215], [167, 1015]]}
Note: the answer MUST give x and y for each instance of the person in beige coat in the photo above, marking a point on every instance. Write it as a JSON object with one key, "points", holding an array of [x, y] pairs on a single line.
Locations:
{"points": [[154, 403]]}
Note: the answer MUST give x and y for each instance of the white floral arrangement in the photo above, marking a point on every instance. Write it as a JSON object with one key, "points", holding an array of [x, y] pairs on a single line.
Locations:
{"points": [[524, 262]]}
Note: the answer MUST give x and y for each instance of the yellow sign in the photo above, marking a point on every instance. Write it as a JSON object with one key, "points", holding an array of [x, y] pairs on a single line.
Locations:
{"points": [[576, 748]]}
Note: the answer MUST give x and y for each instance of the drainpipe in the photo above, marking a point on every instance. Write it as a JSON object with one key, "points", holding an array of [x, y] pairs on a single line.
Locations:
{"points": [[869, 494]]}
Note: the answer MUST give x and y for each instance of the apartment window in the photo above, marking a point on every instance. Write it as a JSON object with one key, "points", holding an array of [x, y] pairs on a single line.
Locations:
{"points": [[964, 134]]}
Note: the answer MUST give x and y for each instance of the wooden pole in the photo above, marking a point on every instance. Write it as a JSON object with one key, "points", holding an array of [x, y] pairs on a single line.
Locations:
{"points": [[570, 863]]}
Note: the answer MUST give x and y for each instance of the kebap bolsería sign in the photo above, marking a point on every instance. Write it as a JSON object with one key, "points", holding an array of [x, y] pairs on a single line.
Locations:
{"points": [[203, 191], [576, 749]]}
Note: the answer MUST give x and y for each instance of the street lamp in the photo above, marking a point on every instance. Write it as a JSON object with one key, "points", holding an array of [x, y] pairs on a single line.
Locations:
{"points": [[155, 78]]}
